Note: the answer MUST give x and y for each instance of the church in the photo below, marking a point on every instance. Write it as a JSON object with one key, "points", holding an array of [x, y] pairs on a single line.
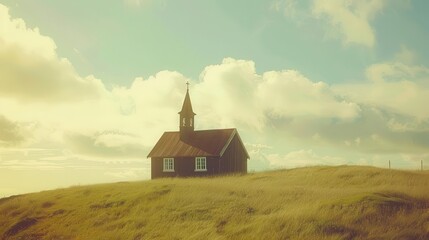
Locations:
{"points": [[193, 153]]}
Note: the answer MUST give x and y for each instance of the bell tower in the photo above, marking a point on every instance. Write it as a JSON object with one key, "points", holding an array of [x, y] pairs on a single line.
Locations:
{"points": [[186, 120]]}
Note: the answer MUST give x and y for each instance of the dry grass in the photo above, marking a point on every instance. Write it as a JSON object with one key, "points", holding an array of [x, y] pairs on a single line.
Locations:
{"points": [[307, 203]]}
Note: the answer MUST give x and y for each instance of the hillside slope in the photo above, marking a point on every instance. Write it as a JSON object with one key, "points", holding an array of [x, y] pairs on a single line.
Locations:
{"points": [[344, 202]]}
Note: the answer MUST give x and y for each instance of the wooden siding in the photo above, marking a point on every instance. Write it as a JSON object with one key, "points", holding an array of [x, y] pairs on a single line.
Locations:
{"points": [[184, 167], [234, 160]]}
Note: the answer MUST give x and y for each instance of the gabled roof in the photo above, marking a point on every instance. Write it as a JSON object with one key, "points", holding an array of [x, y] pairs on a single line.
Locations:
{"points": [[204, 143]]}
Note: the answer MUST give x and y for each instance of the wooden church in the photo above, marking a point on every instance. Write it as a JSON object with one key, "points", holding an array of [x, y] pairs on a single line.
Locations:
{"points": [[189, 153]]}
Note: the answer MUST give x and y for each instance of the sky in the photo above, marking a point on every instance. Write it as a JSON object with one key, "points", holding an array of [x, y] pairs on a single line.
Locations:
{"points": [[88, 87]]}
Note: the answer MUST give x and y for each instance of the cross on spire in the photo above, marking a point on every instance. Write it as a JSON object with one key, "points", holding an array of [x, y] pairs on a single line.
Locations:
{"points": [[186, 122]]}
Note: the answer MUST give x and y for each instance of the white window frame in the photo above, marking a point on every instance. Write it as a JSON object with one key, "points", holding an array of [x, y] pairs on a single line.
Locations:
{"points": [[200, 164], [168, 165]]}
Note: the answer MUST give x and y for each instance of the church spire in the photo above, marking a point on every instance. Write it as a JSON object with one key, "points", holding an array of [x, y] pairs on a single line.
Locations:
{"points": [[186, 117]]}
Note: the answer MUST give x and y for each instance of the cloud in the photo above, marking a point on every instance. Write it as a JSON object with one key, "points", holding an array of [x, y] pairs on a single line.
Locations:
{"points": [[258, 156], [14, 32], [406, 55], [408, 125], [127, 173], [226, 95], [31, 158], [302, 158], [290, 94], [137, 3], [401, 87], [347, 20], [106, 145], [375, 131], [10, 133], [289, 7], [395, 118], [287, 105], [30, 69], [149, 106], [350, 19], [233, 94]]}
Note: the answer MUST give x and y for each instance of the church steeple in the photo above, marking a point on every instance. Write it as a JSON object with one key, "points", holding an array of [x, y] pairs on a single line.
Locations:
{"points": [[186, 121]]}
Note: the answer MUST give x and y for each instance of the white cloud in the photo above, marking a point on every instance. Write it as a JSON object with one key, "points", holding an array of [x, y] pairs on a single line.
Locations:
{"points": [[137, 3], [393, 99], [401, 87], [407, 125], [347, 20], [31, 158], [406, 55], [233, 94], [396, 71], [126, 173], [15, 34], [106, 145], [302, 158], [30, 69], [350, 19], [11, 133], [290, 94], [226, 96], [288, 7]]}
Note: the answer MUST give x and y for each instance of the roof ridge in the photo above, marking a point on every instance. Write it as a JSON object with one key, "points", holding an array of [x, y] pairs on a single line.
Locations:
{"points": [[215, 129], [209, 142], [205, 130]]}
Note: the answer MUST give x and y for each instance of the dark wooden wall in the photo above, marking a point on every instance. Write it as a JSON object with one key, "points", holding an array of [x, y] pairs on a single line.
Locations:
{"points": [[234, 159], [184, 167]]}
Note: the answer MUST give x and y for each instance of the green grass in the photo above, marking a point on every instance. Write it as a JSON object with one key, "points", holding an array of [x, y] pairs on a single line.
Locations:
{"points": [[345, 202]]}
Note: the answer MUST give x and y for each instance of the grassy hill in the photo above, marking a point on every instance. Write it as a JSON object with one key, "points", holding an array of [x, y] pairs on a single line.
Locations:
{"points": [[344, 202]]}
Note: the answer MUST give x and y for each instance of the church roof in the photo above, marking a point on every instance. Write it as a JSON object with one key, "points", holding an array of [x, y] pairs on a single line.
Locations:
{"points": [[203, 143]]}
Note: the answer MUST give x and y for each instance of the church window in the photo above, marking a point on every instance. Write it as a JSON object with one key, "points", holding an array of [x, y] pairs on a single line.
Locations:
{"points": [[168, 165], [200, 164]]}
